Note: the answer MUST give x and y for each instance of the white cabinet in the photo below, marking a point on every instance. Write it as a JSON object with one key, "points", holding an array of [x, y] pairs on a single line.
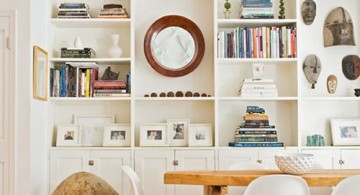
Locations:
{"points": [[103, 163], [151, 164], [264, 156]]}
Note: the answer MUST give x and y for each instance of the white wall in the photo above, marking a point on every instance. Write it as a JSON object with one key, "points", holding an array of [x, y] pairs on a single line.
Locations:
{"points": [[22, 102], [39, 131]]}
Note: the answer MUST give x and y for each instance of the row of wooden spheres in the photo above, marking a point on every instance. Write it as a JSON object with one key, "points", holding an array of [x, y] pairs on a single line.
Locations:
{"points": [[177, 94]]}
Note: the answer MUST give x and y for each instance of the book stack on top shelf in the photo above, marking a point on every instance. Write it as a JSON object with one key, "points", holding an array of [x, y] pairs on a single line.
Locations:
{"points": [[255, 130], [77, 53], [254, 9], [74, 11], [258, 87], [113, 11]]}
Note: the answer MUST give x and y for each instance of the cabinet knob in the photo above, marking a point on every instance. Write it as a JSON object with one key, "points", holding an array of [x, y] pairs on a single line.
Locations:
{"points": [[259, 161], [341, 162], [91, 162], [175, 162]]}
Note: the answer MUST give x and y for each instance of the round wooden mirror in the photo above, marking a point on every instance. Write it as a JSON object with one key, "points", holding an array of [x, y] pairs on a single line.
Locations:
{"points": [[174, 46]]}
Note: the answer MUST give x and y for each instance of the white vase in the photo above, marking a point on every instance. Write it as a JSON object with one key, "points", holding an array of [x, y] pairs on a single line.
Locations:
{"points": [[77, 43], [115, 51]]}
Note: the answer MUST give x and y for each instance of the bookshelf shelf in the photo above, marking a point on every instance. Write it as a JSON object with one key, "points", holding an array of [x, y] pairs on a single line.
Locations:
{"points": [[90, 98], [258, 98], [97, 60], [91, 23], [224, 61], [231, 23]]}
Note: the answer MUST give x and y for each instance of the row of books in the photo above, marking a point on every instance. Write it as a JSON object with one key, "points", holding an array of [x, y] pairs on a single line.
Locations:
{"points": [[77, 53], [257, 42], [257, 9], [258, 88], [73, 10], [110, 88]]}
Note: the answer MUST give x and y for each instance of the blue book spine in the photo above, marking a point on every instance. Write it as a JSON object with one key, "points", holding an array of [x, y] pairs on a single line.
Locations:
{"points": [[256, 144], [63, 82]]}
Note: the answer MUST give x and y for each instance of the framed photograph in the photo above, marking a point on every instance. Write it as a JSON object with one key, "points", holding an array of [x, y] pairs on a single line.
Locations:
{"points": [[40, 72], [154, 134], [200, 135], [178, 131], [92, 128], [345, 131], [68, 135], [116, 135]]}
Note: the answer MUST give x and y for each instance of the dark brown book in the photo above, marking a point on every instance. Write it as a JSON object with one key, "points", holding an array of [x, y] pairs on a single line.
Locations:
{"points": [[110, 6]]}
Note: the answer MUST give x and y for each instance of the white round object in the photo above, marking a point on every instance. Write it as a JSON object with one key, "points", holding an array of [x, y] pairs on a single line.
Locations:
{"points": [[294, 163]]}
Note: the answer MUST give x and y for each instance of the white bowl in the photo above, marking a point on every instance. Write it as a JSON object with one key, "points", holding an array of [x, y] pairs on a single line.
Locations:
{"points": [[294, 163]]}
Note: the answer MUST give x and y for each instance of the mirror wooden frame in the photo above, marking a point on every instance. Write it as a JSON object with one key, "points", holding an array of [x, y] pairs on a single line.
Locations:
{"points": [[40, 73], [174, 21]]}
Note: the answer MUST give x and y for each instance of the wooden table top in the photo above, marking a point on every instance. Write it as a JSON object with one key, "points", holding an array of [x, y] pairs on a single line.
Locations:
{"points": [[324, 177]]}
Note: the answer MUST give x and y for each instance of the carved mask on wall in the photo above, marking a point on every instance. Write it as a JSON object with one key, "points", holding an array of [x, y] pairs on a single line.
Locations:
{"points": [[338, 28], [351, 67], [331, 83], [312, 69], [308, 11]]}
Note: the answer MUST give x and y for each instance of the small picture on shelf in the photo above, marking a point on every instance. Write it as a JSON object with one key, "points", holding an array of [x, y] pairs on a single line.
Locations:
{"points": [[153, 134], [116, 135], [200, 135], [68, 135], [345, 131], [178, 131]]}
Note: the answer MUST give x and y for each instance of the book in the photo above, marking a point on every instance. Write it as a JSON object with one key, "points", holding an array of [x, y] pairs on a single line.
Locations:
{"points": [[255, 132], [255, 139], [83, 64], [111, 94], [256, 144]]}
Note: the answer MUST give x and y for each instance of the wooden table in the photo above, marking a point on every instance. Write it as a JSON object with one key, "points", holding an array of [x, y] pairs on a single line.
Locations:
{"points": [[216, 182]]}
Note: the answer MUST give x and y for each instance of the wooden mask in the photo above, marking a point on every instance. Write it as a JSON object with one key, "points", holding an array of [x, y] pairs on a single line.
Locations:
{"points": [[312, 69], [308, 11], [351, 67], [331, 83]]}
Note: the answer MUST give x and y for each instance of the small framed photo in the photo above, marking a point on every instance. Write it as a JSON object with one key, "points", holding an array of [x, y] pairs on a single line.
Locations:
{"points": [[178, 131], [345, 131], [200, 135], [116, 135], [92, 128], [154, 134], [68, 135]]}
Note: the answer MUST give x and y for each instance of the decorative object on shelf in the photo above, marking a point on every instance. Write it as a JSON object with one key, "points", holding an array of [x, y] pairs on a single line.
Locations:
{"points": [[153, 134], [174, 46], [351, 67], [297, 163], [312, 68], [170, 94], [345, 131], [115, 51], [227, 12], [315, 140], [338, 28], [178, 130], [116, 135], [258, 70], [162, 94], [179, 94], [68, 135], [77, 43], [331, 83], [281, 9], [110, 75], [153, 94], [196, 94], [188, 94], [200, 135], [92, 128], [308, 11], [40, 73], [357, 92]]}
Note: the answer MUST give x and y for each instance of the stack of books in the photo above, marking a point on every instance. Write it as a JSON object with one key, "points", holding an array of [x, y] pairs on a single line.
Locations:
{"points": [[110, 88], [258, 88], [113, 11], [253, 9], [255, 131], [73, 10], [77, 53]]}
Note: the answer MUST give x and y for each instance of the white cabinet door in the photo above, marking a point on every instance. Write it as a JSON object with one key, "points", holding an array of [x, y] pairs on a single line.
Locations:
{"points": [[151, 165], [107, 165], [229, 156], [324, 159], [350, 159], [63, 163], [267, 156], [193, 160]]}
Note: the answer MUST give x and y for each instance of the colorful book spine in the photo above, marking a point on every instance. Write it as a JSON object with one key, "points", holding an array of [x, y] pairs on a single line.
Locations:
{"points": [[256, 144]]}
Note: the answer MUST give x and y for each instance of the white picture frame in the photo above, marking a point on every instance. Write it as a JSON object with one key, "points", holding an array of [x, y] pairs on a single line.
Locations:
{"points": [[92, 128], [345, 131], [178, 131], [153, 134], [200, 135], [68, 135], [117, 135]]}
